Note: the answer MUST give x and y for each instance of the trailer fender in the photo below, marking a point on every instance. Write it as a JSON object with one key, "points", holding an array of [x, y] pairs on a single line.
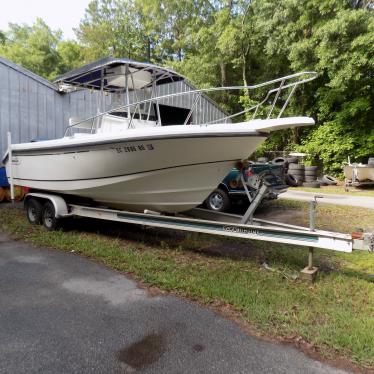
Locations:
{"points": [[61, 208]]}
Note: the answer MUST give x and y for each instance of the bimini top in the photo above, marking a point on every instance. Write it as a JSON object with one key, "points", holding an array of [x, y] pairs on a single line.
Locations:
{"points": [[116, 74]]}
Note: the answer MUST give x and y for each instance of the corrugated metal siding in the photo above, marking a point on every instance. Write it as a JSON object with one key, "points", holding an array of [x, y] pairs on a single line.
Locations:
{"points": [[30, 107]]}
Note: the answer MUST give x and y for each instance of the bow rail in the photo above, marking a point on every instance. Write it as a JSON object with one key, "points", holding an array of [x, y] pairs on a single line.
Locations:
{"points": [[281, 84]]}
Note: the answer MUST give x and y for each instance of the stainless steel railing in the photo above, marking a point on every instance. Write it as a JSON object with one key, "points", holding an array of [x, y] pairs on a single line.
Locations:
{"points": [[281, 84]]}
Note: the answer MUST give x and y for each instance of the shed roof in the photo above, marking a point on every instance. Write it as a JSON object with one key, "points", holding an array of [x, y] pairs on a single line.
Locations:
{"points": [[28, 73]]}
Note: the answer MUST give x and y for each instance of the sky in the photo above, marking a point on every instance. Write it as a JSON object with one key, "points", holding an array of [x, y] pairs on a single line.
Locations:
{"points": [[57, 14]]}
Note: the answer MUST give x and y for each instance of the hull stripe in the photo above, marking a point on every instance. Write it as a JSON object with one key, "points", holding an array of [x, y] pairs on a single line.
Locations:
{"points": [[122, 175]]}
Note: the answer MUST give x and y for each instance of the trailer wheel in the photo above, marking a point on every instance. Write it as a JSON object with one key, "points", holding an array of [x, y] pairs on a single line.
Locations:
{"points": [[291, 180], [50, 222], [34, 211], [331, 181], [278, 160], [218, 200]]}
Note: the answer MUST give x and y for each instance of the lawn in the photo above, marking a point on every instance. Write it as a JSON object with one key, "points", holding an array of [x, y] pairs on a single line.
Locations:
{"points": [[368, 191], [254, 282]]}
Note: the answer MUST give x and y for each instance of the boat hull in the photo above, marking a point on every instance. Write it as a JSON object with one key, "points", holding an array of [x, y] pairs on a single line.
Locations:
{"points": [[166, 175], [359, 172]]}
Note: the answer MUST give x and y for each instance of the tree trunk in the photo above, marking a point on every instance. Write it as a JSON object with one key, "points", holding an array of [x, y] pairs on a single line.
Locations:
{"points": [[295, 135], [148, 49], [245, 82], [223, 67], [223, 74]]}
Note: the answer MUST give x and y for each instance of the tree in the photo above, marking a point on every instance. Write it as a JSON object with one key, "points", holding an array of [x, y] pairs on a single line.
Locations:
{"points": [[336, 41], [345, 102], [167, 25], [34, 47], [71, 56], [111, 28], [2, 37], [236, 42]]}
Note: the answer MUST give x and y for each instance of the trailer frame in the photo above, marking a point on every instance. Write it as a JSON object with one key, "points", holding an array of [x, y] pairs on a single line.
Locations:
{"points": [[209, 222]]}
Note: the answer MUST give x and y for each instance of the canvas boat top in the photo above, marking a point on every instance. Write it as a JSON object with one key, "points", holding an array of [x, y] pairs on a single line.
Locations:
{"points": [[114, 74]]}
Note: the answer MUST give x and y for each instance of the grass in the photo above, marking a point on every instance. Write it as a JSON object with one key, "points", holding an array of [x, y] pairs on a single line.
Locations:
{"points": [[338, 218], [335, 315], [369, 191]]}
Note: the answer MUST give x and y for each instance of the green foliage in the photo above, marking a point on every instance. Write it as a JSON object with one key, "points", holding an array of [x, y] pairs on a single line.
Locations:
{"points": [[112, 28], [40, 49], [34, 47], [2, 37], [336, 41], [345, 97], [71, 55]]}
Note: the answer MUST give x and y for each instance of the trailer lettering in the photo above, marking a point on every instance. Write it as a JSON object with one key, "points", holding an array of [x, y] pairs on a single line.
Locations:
{"points": [[240, 230]]}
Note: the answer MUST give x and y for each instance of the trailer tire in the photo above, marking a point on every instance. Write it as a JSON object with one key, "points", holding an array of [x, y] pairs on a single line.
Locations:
{"points": [[311, 168], [218, 201], [297, 173], [291, 180], [329, 180], [34, 211], [321, 182], [311, 173], [296, 167], [50, 222], [309, 178], [278, 160], [292, 160]]}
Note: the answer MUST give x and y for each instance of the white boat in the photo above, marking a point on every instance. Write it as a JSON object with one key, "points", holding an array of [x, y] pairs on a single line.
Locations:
{"points": [[125, 158], [359, 172]]}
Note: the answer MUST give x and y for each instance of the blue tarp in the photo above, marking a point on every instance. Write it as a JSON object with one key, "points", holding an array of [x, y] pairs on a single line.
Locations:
{"points": [[3, 178]]}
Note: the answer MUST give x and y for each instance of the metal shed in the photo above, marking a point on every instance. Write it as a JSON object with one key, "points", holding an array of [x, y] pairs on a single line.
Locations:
{"points": [[32, 107]]}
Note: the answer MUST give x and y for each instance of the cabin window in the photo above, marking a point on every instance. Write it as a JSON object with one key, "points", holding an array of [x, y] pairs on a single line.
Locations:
{"points": [[171, 115]]}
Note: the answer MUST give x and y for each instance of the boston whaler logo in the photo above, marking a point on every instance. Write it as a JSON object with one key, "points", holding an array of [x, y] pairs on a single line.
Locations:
{"points": [[240, 230], [15, 160]]}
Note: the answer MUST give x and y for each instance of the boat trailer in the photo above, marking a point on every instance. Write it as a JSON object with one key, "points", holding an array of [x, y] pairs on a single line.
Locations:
{"points": [[53, 208]]}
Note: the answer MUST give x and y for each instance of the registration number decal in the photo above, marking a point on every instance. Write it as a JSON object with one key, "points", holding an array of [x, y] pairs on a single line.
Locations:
{"points": [[134, 148]]}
